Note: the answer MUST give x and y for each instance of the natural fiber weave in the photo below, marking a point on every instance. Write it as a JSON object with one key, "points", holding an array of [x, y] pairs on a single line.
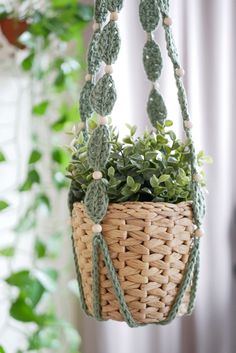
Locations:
{"points": [[149, 243]]}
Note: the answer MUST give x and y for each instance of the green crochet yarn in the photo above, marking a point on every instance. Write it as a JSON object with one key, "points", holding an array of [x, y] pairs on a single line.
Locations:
{"points": [[149, 14], [84, 102], [156, 108], [94, 60], [96, 200], [100, 244], [101, 11], [103, 96], [109, 43], [99, 148], [114, 5], [152, 60]]}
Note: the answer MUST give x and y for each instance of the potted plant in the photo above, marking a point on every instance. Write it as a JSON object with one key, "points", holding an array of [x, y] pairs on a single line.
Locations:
{"points": [[137, 205], [12, 26], [148, 181]]}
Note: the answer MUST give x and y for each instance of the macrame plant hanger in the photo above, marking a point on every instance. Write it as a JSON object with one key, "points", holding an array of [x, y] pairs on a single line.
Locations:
{"points": [[99, 96]]}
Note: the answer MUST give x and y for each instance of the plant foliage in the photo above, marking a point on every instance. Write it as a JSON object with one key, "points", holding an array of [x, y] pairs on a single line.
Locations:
{"points": [[153, 167]]}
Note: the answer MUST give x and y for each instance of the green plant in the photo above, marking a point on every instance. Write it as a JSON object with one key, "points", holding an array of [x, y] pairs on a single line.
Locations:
{"points": [[153, 167], [53, 61]]}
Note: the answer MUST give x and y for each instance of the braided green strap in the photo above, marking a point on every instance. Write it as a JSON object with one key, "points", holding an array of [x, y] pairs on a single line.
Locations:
{"points": [[102, 100], [149, 15]]}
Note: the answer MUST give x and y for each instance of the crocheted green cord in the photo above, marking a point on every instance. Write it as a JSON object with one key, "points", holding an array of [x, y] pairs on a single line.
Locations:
{"points": [[99, 148], [149, 14], [101, 11], [109, 43], [152, 60], [156, 108], [85, 106], [94, 60], [103, 96]]}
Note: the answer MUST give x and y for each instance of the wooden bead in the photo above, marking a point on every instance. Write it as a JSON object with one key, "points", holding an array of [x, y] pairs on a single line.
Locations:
{"points": [[88, 77], [96, 228], [102, 120], [114, 16], [97, 175], [197, 178], [96, 26], [108, 69], [188, 124], [199, 233], [156, 85], [180, 72], [168, 21]]}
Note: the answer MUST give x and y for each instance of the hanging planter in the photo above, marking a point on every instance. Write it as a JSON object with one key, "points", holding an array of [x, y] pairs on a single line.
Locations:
{"points": [[12, 28], [137, 206]]}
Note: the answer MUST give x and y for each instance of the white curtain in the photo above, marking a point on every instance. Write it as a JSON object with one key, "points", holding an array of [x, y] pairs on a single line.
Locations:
{"points": [[205, 35]]}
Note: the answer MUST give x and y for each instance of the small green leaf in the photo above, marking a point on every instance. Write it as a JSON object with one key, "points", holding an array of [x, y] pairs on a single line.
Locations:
{"points": [[22, 311], [45, 337], [111, 172], [80, 139], [40, 108], [27, 63], [35, 156], [2, 350], [163, 178], [130, 181], [2, 157], [3, 205], [40, 248], [7, 252], [154, 181], [60, 156], [32, 178], [168, 123]]}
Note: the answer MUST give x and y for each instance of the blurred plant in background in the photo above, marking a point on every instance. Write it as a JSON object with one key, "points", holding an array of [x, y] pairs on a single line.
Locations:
{"points": [[50, 35]]}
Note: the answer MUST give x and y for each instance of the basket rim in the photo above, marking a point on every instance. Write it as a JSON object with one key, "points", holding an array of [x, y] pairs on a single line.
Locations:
{"points": [[188, 202]]}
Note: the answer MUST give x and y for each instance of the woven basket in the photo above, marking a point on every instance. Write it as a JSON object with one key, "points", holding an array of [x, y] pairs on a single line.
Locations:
{"points": [[149, 244]]}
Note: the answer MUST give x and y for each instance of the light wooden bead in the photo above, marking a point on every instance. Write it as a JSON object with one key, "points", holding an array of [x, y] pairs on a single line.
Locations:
{"points": [[197, 178], [88, 77], [188, 124], [96, 228], [168, 21], [199, 233], [156, 85], [81, 125], [180, 72], [108, 69], [97, 175], [96, 26], [114, 16], [102, 120], [149, 35]]}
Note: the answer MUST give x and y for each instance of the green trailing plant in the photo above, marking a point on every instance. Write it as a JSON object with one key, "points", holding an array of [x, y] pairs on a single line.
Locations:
{"points": [[153, 167], [52, 57]]}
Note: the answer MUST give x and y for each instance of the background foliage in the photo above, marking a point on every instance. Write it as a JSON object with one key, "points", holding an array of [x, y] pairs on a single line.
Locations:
{"points": [[53, 58]]}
